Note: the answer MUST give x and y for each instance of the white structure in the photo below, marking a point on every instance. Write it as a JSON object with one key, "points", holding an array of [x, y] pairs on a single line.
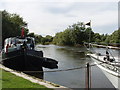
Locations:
{"points": [[110, 69]]}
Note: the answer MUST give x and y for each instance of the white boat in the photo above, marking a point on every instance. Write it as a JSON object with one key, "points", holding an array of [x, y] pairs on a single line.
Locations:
{"points": [[110, 69]]}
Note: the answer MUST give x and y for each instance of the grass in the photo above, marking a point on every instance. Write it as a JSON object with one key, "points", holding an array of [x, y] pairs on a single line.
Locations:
{"points": [[10, 80]]}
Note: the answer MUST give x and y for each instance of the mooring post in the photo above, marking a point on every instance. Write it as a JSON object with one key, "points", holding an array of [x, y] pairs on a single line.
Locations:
{"points": [[88, 79]]}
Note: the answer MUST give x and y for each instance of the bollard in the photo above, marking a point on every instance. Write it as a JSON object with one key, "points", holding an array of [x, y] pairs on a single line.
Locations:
{"points": [[88, 77]]}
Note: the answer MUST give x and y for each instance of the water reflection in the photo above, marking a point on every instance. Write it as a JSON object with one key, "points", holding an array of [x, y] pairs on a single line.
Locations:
{"points": [[71, 57]]}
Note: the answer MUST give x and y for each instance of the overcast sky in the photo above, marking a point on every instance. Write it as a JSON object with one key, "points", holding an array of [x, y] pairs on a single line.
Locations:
{"points": [[47, 17]]}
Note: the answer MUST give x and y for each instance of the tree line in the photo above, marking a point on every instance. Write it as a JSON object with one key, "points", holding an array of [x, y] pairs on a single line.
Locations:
{"points": [[78, 33], [74, 35], [39, 39]]}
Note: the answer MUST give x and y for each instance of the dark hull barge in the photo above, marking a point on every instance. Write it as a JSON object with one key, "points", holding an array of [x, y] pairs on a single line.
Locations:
{"points": [[27, 60]]}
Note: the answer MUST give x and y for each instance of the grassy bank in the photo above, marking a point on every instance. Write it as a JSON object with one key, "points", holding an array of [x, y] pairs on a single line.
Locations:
{"points": [[10, 80]]}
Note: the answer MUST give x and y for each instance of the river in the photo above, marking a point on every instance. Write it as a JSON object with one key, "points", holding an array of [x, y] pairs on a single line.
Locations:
{"points": [[72, 57]]}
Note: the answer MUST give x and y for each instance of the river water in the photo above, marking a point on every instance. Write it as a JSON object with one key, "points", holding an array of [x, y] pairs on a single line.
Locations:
{"points": [[72, 57]]}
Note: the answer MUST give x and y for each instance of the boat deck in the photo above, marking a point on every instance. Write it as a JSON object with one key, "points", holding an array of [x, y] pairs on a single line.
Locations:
{"points": [[113, 66], [110, 69], [101, 58]]}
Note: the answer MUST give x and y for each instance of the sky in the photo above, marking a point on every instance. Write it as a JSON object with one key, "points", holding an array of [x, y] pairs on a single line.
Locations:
{"points": [[47, 17]]}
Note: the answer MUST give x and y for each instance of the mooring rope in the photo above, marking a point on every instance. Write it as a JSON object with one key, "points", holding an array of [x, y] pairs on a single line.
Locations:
{"points": [[69, 69]]}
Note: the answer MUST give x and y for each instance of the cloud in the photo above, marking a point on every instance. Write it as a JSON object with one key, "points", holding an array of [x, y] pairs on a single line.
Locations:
{"points": [[60, 0], [49, 17]]}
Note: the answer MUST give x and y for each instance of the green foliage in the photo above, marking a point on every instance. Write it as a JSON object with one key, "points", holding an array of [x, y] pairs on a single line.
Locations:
{"points": [[104, 39], [97, 37], [12, 25], [115, 37], [38, 38], [73, 35], [76, 34], [49, 38], [43, 40], [31, 34], [89, 35], [46, 40]]}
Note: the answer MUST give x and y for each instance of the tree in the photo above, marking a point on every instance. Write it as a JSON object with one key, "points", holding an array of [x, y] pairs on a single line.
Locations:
{"points": [[49, 38], [12, 25], [31, 34], [73, 35], [97, 37], [38, 38], [89, 35], [115, 37]]}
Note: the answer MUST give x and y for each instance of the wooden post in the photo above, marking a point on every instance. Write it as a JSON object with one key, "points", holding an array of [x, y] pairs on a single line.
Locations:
{"points": [[88, 79]]}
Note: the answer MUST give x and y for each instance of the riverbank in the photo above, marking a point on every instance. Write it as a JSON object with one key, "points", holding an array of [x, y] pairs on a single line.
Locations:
{"points": [[103, 46], [95, 45], [10, 80], [14, 79]]}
